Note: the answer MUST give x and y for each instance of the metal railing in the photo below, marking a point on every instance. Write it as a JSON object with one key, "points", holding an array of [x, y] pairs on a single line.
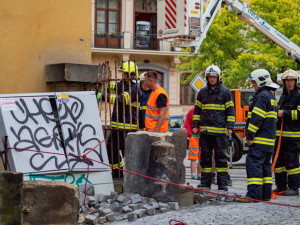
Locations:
{"points": [[131, 41]]}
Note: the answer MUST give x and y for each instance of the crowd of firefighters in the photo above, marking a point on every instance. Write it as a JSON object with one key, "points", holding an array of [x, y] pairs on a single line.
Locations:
{"points": [[272, 127]]}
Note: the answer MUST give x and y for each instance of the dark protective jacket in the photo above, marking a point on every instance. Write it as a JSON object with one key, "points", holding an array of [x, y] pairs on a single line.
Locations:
{"points": [[134, 98], [262, 118], [290, 104], [214, 110], [142, 111]]}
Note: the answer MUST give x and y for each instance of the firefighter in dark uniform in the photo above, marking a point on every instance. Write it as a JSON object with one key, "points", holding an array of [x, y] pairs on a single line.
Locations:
{"points": [[260, 136], [287, 171], [214, 112], [129, 70]]}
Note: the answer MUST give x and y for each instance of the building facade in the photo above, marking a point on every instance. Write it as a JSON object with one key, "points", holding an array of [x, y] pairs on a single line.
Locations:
{"points": [[36, 33]]}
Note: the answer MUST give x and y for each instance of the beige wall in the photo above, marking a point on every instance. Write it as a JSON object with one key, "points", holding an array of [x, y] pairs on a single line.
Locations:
{"points": [[39, 32]]}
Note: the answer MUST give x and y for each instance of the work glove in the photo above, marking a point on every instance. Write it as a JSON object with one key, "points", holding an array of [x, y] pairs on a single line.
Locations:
{"points": [[99, 95]]}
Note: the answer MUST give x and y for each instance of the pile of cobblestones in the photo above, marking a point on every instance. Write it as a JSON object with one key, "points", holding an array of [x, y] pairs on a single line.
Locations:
{"points": [[114, 207]]}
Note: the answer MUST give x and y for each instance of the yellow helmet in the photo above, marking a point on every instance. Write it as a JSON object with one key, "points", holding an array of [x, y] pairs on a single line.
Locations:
{"points": [[132, 67], [290, 74]]}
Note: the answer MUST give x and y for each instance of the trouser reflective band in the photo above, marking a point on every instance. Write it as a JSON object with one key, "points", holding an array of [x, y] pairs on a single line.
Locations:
{"points": [[280, 170], [257, 181], [293, 171], [117, 165], [206, 170], [222, 169], [267, 180], [193, 154]]}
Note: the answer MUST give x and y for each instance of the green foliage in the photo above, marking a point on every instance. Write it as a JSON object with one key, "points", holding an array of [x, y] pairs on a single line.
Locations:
{"points": [[238, 48]]}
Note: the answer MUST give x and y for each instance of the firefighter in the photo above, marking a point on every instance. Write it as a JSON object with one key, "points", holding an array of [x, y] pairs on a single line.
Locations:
{"points": [[144, 99], [157, 109], [129, 70], [260, 136], [214, 112], [287, 171]]}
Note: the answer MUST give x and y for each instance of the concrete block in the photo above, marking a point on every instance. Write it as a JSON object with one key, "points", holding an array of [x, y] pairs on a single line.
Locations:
{"points": [[164, 210], [151, 211], [11, 196], [134, 206], [50, 202], [120, 198], [140, 212], [90, 189], [101, 198]]}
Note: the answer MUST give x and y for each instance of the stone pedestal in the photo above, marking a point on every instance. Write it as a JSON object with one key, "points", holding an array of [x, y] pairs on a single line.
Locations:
{"points": [[161, 156], [50, 202], [11, 185]]}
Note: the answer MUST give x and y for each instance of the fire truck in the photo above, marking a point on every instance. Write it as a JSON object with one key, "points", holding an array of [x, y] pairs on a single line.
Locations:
{"points": [[185, 24]]}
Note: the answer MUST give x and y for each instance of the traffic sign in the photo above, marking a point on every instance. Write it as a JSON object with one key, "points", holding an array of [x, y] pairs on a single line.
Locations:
{"points": [[198, 82]]}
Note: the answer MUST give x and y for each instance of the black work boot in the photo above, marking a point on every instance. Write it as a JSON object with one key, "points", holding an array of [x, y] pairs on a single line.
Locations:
{"points": [[204, 187], [279, 189], [291, 192], [222, 188]]}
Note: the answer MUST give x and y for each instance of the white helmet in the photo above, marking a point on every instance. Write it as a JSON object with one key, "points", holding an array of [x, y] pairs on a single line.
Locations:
{"points": [[290, 74], [262, 78], [142, 76], [213, 71]]}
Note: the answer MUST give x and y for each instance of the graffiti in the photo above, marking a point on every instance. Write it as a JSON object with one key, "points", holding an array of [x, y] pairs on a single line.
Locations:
{"points": [[68, 178], [33, 125]]}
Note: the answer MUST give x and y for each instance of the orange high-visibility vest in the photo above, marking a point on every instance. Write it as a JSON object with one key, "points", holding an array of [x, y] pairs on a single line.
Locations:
{"points": [[152, 112], [194, 149]]}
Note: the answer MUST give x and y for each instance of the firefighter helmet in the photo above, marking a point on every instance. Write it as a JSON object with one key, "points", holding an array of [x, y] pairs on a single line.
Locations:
{"points": [[290, 74], [142, 76], [130, 66], [262, 78], [213, 71]]}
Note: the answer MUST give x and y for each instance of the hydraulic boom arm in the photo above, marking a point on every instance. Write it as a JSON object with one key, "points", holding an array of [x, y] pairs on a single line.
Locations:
{"points": [[250, 17]]}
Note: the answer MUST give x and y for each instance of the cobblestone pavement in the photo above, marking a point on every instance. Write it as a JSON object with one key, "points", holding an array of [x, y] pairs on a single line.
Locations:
{"points": [[229, 212]]}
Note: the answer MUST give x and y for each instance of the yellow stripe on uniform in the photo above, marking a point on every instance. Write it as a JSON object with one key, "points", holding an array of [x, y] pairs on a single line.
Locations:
{"points": [[279, 169], [230, 118], [293, 171], [257, 181], [259, 112], [267, 180], [264, 141], [199, 104], [228, 104], [252, 128]]}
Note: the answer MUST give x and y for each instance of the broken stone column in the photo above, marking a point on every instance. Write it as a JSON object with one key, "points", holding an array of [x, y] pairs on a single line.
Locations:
{"points": [[11, 185], [50, 202], [161, 156]]}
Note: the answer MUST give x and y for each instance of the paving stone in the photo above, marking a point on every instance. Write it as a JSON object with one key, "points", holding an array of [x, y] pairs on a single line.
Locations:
{"points": [[115, 205], [132, 217], [105, 211], [126, 209], [163, 210], [110, 217], [140, 212], [102, 220], [151, 211], [90, 189], [134, 206], [91, 219], [173, 205], [120, 198], [101, 198], [135, 198]]}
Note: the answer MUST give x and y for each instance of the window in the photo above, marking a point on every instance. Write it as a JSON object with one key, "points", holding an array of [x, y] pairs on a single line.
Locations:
{"points": [[187, 94], [108, 16], [146, 5]]}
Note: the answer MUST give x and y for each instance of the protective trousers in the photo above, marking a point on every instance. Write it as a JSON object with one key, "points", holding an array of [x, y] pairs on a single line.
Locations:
{"points": [[208, 143], [258, 166], [113, 151], [287, 171]]}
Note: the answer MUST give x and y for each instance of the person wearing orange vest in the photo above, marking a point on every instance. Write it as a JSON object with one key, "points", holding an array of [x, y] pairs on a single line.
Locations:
{"points": [[157, 109]]}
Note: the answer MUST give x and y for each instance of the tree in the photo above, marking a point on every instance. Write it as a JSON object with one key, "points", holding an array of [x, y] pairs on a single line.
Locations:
{"points": [[238, 48]]}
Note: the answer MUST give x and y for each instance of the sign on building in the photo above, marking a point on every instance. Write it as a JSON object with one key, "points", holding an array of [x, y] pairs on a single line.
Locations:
{"points": [[198, 82]]}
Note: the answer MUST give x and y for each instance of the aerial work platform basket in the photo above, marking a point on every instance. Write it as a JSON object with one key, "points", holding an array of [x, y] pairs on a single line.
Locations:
{"points": [[179, 21]]}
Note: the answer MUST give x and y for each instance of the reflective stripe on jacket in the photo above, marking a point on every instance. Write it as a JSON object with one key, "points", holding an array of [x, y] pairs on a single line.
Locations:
{"points": [[152, 112], [261, 122], [290, 104], [194, 150], [214, 110]]}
